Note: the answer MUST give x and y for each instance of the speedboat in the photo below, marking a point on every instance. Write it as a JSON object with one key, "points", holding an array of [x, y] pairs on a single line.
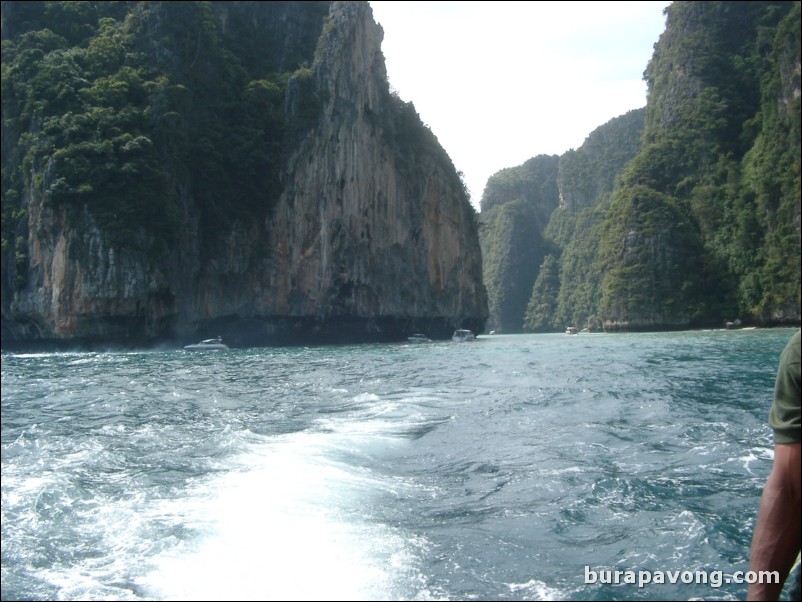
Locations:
{"points": [[461, 336], [208, 345], [419, 338]]}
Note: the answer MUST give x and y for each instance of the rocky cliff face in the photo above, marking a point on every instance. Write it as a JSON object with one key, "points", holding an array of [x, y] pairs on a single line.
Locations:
{"points": [[371, 236], [683, 214]]}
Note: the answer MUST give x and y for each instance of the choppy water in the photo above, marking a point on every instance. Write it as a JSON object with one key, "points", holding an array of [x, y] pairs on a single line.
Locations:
{"points": [[494, 470]]}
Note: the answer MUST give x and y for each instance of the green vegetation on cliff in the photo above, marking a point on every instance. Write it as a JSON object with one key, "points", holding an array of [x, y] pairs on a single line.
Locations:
{"points": [[686, 213], [169, 167], [511, 236], [113, 107]]}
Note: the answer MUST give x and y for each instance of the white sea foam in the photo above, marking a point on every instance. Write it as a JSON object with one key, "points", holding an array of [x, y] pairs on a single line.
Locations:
{"points": [[537, 590], [284, 525]]}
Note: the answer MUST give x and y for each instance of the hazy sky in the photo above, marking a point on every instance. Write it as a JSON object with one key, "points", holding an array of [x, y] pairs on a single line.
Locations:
{"points": [[501, 82]]}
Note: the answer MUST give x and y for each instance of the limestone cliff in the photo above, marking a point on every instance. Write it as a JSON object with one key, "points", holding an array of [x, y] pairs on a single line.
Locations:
{"points": [[683, 214], [368, 234]]}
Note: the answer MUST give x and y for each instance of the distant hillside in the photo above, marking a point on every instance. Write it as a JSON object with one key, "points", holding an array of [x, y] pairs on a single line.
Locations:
{"points": [[683, 214]]}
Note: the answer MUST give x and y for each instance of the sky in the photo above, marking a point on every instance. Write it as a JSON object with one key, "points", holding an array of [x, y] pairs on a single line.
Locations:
{"points": [[501, 82]]}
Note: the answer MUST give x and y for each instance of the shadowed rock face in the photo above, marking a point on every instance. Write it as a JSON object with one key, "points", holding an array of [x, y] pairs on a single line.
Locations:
{"points": [[371, 238]]}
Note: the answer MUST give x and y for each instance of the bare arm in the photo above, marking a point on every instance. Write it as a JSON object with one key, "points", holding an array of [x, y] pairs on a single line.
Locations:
{"points": [[776, 539]]}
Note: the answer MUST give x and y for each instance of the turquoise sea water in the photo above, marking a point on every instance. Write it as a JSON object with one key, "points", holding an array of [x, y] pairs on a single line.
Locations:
{"points": [[510, 468]]}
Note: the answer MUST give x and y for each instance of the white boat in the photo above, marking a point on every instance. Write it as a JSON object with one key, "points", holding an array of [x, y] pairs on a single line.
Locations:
{"points": [[572, 330], [461, 336], [208, 345], [419, 338]]}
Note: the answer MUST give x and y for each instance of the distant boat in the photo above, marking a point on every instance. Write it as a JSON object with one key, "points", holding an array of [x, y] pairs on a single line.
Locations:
{"points": [[419, 338], [208, 345], [461, 336], [572, 330]]}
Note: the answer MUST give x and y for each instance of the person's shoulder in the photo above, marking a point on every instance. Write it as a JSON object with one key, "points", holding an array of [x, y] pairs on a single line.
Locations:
{"points": [[792, 349]]}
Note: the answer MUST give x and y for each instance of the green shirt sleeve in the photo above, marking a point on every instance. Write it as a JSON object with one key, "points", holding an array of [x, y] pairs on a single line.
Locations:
{"points": [[784, 416]]}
